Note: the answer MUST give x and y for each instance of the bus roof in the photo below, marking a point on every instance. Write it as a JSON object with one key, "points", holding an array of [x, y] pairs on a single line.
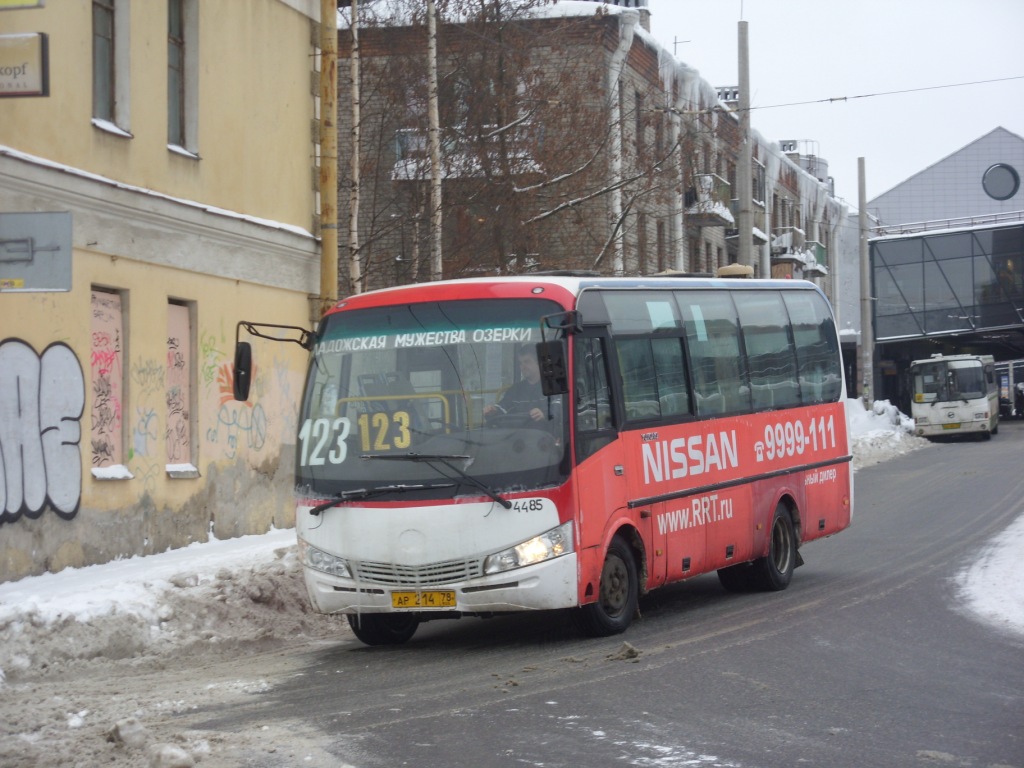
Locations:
{"points": [[562, 288]]}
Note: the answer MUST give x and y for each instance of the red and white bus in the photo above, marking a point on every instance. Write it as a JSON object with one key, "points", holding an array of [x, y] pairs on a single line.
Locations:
{"points": [[680, 426]]}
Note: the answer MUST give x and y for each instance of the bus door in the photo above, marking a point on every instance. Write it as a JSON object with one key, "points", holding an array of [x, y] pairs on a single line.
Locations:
{"points": [[599, 479]]}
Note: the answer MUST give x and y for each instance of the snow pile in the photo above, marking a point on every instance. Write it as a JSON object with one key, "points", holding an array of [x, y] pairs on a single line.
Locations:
{"points": [[992, 588], [215, 596], [880, 433]]}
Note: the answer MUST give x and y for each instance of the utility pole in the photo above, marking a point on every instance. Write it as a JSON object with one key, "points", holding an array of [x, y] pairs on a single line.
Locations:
{"points": [[436, 264], [867, 329], [328, 177], [355, 275], [744, 170]]}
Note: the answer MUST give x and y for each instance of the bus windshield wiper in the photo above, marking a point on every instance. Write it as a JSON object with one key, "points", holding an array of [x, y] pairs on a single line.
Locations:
{"points": [[446, 460], [357, 494]]}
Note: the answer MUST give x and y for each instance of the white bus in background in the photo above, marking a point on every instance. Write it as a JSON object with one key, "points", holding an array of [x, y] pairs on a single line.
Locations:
{"points": [[955, 395]]}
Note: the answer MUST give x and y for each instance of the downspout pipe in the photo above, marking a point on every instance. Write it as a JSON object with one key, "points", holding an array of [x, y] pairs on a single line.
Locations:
{"points": [[617, 66]]}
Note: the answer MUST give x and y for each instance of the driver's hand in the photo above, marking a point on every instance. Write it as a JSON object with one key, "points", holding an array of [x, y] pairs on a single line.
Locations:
{"points": [[537, 414]]}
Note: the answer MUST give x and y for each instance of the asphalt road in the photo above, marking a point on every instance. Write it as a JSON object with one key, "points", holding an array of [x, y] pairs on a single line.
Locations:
{"points": [[866, 660]]}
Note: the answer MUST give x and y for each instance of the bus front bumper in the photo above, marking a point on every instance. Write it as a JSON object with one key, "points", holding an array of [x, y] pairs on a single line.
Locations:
{"points": [[548, 585]]}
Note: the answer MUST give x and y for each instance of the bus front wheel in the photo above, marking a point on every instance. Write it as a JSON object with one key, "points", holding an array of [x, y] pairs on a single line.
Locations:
{"points": [[383, 628], [617, 595]]}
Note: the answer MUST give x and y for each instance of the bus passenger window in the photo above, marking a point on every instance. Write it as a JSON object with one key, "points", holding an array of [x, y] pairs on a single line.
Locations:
{"points": [[639, 381], [713, 340], [816, 350], [670, 368], [653, 377], [770, 354]]}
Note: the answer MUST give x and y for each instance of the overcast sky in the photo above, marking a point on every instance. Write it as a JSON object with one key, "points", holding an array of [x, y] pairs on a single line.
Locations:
{"points": [[810, 50]]}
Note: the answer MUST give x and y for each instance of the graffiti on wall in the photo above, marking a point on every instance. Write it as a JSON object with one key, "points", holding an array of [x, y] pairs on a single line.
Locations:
{"points": [[179, 391], [42, 399], [107, 379], [237, 421]]}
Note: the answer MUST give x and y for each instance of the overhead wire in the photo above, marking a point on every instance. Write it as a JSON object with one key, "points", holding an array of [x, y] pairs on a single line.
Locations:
{"points": [[887, 93]]}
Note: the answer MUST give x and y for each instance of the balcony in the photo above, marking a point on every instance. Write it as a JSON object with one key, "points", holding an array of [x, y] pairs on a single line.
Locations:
{"points": [[817, 258], [795, 256], [707, 202], [788, 242]]}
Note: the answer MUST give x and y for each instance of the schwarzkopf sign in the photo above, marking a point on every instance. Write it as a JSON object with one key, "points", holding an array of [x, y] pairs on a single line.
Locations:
{"points": [[24, 65]]}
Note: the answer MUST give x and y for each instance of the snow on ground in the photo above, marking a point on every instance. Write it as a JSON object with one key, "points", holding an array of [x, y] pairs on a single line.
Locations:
{"points": [[223, 593]]}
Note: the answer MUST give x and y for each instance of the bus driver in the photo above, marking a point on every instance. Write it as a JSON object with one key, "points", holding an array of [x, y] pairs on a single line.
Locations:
{"points": [[525, 396]]}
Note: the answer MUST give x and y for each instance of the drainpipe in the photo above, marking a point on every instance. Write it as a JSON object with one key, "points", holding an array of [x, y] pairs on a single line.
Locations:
{"points": [[628, 22], [436, 213], [679, 216], [328, 177], [744, 170], [354, 269]]}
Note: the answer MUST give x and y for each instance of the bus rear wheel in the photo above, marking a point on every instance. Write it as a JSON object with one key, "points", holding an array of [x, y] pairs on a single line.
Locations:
{"points": [[774, 571], [383, 628], [617, 594]]}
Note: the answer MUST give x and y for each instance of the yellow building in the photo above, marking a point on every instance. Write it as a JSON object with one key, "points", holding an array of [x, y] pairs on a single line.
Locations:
{"points": [[169, 167]]}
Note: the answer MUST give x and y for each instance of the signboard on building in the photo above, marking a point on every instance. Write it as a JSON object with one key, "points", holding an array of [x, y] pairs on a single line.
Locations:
{"points": [[35, 251], [24, 65]]}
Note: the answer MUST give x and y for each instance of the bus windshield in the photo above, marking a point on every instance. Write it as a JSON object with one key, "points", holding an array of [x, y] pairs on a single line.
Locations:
{"points": [[948, 380], [429, 400]]}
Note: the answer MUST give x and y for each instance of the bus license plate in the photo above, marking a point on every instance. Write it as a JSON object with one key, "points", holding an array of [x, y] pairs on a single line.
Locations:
{"points": [[955, 425], [433, 599]]}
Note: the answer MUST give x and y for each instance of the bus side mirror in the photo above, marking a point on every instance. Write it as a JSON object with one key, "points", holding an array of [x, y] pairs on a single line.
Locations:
{"points": [[554, 378], [243, 370]]}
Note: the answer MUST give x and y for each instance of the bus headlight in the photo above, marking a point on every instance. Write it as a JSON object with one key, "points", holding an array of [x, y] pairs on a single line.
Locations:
{"points": [[553, 543], [321, 561]]}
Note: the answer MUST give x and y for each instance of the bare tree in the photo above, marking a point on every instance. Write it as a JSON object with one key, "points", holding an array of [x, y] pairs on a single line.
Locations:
{"points": [[528, 128]]}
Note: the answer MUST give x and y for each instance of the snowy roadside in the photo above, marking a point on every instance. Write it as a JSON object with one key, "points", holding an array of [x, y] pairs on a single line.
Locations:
{"points": [[222, 594]]}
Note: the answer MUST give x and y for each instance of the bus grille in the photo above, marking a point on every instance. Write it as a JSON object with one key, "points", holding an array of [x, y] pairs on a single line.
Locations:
{"points": [[416, 575]]}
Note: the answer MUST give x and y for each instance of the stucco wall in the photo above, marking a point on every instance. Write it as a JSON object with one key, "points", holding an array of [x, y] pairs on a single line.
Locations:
{"points": [[120, 438], [255, 106]]}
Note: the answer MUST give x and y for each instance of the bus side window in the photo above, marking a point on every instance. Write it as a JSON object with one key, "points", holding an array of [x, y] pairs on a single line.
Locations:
{"points": [[654, 381], [818, 358], [592, 402], [639, 381], [713, 341], [770, 351], [670, 369]]}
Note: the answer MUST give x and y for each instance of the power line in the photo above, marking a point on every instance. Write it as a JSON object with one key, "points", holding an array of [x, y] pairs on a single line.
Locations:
{"points": [[889, 93]]}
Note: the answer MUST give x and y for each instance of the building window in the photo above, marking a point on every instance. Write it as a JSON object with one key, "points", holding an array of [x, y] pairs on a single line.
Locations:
{"points": [[1001, 181], [179, 391], [175, 73], [110, 61], [641, 244], [182, 74], [638, 105], [107, 355], [103, 71], [661, 246]]}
